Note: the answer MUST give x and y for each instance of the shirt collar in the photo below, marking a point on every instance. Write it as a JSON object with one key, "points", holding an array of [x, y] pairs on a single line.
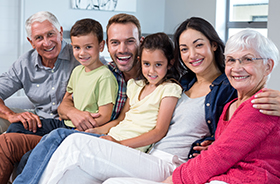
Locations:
{"points": [[114, 67], [187, 84], [64, 55], [219, 79]]}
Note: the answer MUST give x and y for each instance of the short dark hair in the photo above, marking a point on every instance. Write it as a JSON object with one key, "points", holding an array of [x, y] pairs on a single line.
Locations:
{"points": [[87, 26], [160, 41], [209, 32], [124, 18]]}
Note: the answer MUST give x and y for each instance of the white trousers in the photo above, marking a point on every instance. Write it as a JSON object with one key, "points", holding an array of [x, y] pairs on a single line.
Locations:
{"points": [[142, 181], [86, 159]]}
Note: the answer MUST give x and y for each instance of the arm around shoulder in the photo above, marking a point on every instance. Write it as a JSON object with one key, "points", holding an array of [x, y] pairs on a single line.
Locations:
{"points": [[268, 102]]}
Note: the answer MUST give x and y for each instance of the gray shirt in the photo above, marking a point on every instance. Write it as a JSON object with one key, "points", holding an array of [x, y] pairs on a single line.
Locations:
{"points": [[187, 125], [45, 87]]}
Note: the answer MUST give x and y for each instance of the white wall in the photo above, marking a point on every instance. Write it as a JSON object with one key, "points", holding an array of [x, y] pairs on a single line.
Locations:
{"points": [[273, 33], [9, 21], [150, 14], [176, 11], [154, 15]]}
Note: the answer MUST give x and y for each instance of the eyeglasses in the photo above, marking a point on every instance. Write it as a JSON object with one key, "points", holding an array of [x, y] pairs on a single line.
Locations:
{"points": [[244, 60]]}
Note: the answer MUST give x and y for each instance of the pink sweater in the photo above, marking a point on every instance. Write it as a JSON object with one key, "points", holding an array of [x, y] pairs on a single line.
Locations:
{"points": [[246, 150]]}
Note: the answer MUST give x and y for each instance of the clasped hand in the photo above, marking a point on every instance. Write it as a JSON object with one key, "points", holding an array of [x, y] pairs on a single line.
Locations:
{"points": [[29, 120]]}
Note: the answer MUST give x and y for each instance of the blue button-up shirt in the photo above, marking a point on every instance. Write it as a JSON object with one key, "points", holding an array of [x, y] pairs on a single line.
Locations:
{"points": [[221, 93], [44, 86]]}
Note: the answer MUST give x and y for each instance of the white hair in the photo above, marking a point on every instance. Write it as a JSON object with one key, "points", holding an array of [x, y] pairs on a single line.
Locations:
{"points": [[41, 17], [250, 39]]}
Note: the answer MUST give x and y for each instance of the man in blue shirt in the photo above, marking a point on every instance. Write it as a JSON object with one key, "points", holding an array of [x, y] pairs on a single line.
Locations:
{"points": [[123, 41], [42, 73]]}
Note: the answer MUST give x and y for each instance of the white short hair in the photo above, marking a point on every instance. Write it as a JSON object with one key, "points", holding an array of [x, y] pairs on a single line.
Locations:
{"points": [[250, 39], [40, 17]]}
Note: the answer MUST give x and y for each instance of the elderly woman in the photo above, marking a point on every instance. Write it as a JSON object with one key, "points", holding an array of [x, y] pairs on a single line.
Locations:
{"points": [[247, 148]]}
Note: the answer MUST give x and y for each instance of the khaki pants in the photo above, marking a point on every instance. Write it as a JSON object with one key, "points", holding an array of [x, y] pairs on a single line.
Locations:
{"points": [[12, 147]]}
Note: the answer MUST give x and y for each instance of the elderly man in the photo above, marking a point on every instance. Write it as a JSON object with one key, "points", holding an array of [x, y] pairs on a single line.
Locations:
{"points": [[42, 73], [123, 41]]}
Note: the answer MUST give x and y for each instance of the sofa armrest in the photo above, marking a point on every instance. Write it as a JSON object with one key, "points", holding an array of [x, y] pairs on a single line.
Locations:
{"points": [[21, 102]]}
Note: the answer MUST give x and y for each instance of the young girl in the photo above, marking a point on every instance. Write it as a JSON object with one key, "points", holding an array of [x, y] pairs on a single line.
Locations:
{"points": [[151, 100]]}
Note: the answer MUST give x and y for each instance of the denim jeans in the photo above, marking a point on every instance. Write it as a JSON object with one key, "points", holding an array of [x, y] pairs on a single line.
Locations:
{"points": [[47, 126], [42, 153], [4, 124]]}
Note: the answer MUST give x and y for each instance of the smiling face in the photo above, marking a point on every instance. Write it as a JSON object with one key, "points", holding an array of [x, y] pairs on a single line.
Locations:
{"points": [[46, 39], [250, 78], [86, 50], [196, 52], [154, 65], [123, 44]]}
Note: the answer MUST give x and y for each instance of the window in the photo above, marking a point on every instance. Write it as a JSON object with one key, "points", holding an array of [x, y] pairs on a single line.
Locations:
{"points": [[242, 14]]}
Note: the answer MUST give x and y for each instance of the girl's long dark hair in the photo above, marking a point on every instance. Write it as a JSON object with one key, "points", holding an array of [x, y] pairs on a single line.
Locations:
{"points": [[162, 42], [209, 32]]}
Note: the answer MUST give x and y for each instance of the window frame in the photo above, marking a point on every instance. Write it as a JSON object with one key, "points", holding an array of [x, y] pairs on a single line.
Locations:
{"points": [[239, 24]]}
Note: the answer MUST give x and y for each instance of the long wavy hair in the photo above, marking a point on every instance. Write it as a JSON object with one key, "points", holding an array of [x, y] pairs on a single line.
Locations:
{"points": [[209, 32]]}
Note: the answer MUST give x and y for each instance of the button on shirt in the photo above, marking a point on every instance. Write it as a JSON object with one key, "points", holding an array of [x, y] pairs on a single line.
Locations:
{"points": [[44, 86]]}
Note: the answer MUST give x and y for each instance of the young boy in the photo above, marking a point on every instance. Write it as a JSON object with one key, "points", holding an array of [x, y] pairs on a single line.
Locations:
{"points": [[92, 85]]}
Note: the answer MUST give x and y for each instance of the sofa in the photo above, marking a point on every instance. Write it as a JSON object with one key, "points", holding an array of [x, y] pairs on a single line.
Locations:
{"points": [[21, 102]]}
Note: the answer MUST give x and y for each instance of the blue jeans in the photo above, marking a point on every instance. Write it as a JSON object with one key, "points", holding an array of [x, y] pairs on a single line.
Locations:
{"points": [[47, 126], [42, 153]]}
